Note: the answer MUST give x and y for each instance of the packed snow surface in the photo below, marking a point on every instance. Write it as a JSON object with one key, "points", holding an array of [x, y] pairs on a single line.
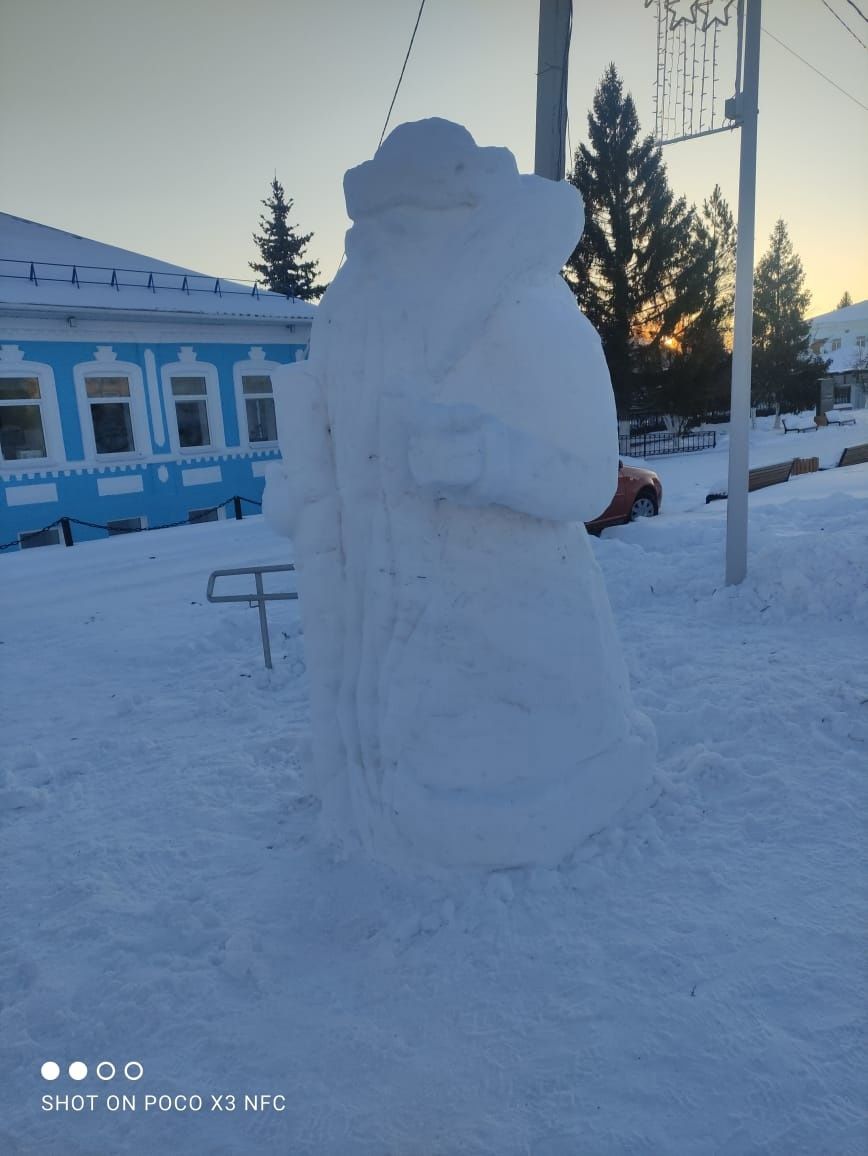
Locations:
{"points": [[452, 428], [692, 984]]}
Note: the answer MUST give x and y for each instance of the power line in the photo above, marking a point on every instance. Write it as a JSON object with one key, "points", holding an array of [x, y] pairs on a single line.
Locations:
{"points": [[859, 10], [793, 52], [401, 77], [844, 24]]}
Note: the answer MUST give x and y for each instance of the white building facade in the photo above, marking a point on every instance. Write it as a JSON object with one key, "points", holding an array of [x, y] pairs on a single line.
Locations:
{"points": [[841, 337]]}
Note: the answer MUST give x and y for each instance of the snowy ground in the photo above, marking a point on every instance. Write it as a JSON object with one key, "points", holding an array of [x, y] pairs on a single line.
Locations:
{"points": [[689, 984]]}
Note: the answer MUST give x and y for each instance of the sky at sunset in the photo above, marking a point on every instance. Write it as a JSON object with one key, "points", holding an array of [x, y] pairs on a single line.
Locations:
{"points": [[157, 125]]}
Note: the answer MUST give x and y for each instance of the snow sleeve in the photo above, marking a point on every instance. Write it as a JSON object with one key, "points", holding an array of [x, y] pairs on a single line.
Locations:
{"points": [[527, 419]]}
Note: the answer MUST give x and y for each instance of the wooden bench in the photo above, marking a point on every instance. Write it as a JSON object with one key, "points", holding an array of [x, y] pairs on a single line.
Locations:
{"points": [[830, 420], [805, 466], [797, 428], [761, 477], [764, 476], [854, 455]]}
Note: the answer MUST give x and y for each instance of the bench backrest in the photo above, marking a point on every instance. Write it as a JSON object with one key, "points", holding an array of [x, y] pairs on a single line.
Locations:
{"points": [[805, 466], [854, 455], [764, 476]]}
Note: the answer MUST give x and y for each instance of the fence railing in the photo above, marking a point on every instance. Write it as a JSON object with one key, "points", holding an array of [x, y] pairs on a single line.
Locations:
{"points": [[258, 598], [121, 277], [655, 445], [65, 523]]}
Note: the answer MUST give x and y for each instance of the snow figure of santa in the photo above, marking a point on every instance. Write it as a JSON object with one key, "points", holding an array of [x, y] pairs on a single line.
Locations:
{"points": [[453, 428]]}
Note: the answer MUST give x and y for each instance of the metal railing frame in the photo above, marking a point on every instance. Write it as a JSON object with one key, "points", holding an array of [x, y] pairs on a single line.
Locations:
{"points": [[258, 599], [655, 445]]}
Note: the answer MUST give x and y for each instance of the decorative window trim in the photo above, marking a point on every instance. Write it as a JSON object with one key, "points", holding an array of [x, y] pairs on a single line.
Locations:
{"points": [[192, 368], [105, 366], [256, 364], [52, 430]]}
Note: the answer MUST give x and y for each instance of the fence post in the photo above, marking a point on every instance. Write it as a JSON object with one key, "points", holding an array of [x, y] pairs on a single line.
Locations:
{"points": [[236, 503], [66, 530]]}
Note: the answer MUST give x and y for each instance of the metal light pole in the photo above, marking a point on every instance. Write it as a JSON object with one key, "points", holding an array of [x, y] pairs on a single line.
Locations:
{"points": [[747, 107], [555, 20]]}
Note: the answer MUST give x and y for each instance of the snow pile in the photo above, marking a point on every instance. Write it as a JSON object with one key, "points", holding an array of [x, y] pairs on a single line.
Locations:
{"points": [[692, 982], [453, 427]]}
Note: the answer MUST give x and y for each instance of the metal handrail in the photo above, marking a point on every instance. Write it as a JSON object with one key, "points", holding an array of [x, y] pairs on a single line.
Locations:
{"points": [[258, 599]]}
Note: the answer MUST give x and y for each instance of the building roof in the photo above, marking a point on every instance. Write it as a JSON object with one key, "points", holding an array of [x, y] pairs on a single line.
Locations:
{"points": [[842, 318], [842, 327], [45, 267]]}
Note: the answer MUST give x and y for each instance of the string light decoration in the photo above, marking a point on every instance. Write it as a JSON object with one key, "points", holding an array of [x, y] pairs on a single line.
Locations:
{"points": [[697, 42]]}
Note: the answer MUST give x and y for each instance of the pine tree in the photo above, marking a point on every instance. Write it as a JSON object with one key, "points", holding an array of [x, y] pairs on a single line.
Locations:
{"points": [[696, 377], [716, 231], [845, 300], [634, 271], [785, 372], [282, 267]]}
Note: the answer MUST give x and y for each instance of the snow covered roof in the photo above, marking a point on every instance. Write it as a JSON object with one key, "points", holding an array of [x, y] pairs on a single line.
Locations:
{"points": [[842, 318], [841, 336], [45, 267]]}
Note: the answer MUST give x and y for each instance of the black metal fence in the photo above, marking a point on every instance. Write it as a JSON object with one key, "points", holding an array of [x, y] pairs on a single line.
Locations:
{"points": [[655, 445], [65, 524]]}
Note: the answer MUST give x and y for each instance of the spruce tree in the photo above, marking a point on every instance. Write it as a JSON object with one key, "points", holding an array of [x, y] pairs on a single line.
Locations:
{"points": [[716, 231], [785, 372], [696, 377], [634, 272], [282, 267], [845, 300]]}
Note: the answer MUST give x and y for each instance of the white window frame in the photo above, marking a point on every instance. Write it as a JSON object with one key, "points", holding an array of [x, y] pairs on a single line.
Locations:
{"points": [[212, 403], [258, 368], [49, 412], [137, 403]]}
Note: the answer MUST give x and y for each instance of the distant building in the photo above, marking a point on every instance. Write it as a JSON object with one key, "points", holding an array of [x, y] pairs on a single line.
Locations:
{"points": [[133, 393], [841, 337]]}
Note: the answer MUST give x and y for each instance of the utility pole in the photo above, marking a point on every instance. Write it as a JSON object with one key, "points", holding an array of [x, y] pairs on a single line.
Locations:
{"points": [[555, 25], [746, 110]]}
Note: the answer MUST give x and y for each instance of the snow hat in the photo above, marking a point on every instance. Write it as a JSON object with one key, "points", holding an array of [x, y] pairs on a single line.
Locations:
{"points": [[432, 164], [436, 164]]}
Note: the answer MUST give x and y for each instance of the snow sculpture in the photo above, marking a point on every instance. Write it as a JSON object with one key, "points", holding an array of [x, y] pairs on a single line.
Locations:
{"points": [[450, 432]]}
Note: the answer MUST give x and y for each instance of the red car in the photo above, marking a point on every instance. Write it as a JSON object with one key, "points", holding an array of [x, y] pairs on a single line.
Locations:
{"points": [[638, 495]]}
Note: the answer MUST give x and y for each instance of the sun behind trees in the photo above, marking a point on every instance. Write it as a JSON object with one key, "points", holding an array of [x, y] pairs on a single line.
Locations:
{"points": [[657, 277], [652, 274], [282, 267]]}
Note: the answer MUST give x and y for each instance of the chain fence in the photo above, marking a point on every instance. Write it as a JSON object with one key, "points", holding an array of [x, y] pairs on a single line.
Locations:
{"points": [[66, 523]]}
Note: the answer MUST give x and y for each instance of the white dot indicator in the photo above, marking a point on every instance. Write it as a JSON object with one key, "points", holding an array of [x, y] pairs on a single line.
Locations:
{"points": [[50, 1070], [77, 1070], [105, 1070], [133, 1070]]}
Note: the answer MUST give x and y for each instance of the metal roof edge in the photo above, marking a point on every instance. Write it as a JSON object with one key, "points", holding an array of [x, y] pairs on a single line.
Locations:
{"points": [[103, 313]]}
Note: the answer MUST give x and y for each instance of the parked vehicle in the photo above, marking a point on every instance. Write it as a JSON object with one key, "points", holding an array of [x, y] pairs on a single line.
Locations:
{"points": [[638, 495]]}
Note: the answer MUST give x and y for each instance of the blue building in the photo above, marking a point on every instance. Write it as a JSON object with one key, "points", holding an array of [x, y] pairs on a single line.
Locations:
{"points": [[133, 393]]}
